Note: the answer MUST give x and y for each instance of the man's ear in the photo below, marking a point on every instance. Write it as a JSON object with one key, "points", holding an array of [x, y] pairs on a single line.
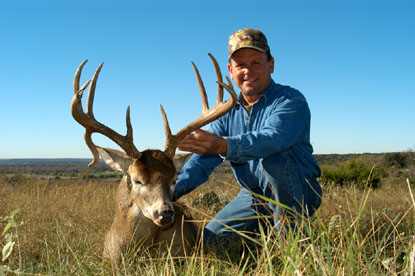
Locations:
{"points": [[271, 65], [115, 159], [180, 159], [230, 69]]}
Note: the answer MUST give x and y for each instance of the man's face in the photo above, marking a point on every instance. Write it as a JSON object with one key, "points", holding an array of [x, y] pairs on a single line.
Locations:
{"points": [[251, 72]]}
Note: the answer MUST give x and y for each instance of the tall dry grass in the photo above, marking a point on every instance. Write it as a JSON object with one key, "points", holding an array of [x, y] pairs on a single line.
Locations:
{"points": [[354, 232]]}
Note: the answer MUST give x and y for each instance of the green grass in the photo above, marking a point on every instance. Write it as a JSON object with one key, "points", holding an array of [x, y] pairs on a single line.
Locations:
{"points": [[60, 225]]}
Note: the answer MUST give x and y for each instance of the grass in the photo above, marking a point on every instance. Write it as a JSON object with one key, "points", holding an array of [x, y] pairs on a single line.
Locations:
{"points": [[355, 232]]}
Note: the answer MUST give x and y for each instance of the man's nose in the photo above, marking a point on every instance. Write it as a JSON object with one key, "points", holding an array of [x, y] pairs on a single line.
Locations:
{"points": [[248, 70]]}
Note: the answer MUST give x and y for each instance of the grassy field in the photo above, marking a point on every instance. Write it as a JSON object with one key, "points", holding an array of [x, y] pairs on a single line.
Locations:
{"points": [[57, 227]]}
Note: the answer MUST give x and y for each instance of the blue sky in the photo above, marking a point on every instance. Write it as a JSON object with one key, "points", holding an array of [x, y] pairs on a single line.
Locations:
{"points": [[353, 60]]}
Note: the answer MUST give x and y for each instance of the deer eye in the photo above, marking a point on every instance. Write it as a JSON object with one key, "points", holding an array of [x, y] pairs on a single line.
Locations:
{"points": [[136, 182]]}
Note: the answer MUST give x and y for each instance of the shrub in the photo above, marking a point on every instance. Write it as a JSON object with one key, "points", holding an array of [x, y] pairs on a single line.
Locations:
{"points": [[397, 159], [210, 200], [353, 172]]}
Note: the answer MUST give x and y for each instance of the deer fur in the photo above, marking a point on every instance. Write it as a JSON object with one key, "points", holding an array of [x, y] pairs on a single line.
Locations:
{"points": [[144, 195]]}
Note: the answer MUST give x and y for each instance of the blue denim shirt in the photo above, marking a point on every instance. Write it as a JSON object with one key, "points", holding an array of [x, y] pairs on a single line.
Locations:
{"points": [[279, 123]]}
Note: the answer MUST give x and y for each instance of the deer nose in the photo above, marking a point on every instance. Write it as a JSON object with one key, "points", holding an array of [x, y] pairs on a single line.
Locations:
{"points": [[167, 214]]}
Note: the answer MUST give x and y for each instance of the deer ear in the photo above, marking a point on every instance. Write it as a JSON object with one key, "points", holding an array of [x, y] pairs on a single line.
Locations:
{"points": [[180, 159], [115, 159]]}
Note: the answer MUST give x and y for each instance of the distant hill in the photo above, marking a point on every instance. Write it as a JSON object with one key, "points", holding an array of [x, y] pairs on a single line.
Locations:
{"points": [[334, 159], [50, 165], [65, 165], [44, 160], [62, 165]]}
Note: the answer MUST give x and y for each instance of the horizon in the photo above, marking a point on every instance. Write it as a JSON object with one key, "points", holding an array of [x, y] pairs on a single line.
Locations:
{"points": [[86, 159], [352, 60]]}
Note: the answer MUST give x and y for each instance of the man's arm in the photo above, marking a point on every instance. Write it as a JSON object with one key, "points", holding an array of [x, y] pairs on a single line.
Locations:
{"points": [[204, 142], [199, 167], [195, 172], [281, 130]]}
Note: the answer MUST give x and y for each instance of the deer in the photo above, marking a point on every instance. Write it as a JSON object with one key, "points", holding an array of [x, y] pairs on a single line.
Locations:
{"points": [[144, 212]]}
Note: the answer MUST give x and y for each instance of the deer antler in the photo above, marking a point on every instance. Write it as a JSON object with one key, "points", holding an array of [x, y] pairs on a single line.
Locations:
{"points": [[207, 116], [91, 125]]}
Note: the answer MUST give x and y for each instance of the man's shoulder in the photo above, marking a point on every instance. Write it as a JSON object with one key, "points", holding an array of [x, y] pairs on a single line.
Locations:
{"points": [[285, 91]]}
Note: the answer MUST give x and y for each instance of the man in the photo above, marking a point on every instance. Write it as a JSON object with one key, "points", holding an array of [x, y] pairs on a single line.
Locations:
{"points": [[266, 138]]}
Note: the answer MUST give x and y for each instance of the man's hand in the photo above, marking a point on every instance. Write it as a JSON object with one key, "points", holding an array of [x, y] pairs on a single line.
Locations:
{"points": [[204, 142]]}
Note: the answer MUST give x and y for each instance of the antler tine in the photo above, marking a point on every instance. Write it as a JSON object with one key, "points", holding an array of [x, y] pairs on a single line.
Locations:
{"points": [[170, 139], [165, 122], [88, 121], [207, 116], [92, 147], [77, 98], [219, 78], [89, 111], [228, 87], [77, 77], [205, 103], [91, 92], [129, 127]]}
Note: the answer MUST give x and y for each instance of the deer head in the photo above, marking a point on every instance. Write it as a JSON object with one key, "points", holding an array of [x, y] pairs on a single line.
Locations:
{"points": [[149, 175]]}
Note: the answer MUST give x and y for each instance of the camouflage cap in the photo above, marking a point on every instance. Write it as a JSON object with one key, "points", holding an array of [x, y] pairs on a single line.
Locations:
{"points": [[247, 38]]}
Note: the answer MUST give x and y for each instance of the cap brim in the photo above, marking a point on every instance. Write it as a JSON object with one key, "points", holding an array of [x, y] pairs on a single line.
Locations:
{"points": [[245, 47]]}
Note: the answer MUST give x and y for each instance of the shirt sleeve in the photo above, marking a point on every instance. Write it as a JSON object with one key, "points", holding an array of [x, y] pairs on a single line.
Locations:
{"points": [[198, 168], [195, 172], [283, 128]]}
